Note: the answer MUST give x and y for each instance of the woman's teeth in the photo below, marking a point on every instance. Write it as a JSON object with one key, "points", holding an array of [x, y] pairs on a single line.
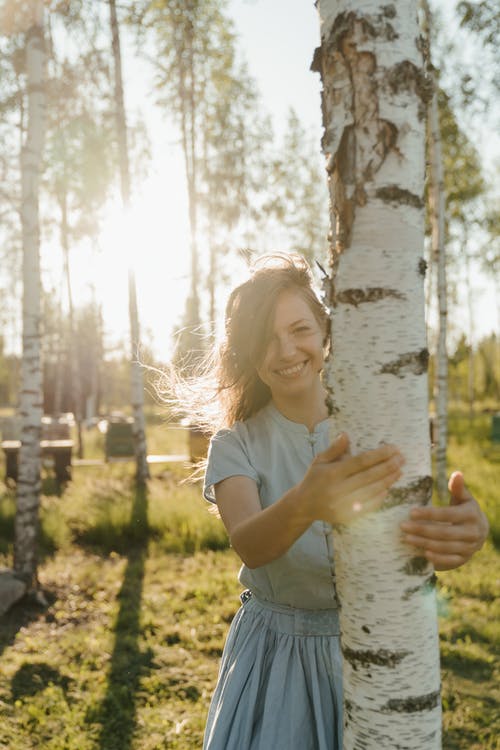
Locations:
{"points": [[289, 371]]}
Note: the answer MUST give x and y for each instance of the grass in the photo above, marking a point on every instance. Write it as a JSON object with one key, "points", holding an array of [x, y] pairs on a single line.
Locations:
{"points": [[141, 587]]}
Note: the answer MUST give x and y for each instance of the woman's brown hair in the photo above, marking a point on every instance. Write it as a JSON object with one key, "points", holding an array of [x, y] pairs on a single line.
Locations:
{"points": [[226, 388], [248, 323]]}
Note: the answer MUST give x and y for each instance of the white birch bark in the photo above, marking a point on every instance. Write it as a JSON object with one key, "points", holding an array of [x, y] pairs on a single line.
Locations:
{"points": [[470, 309], [31, 396], [438, 252], [374, 106], [73, 348], [137, 386]]}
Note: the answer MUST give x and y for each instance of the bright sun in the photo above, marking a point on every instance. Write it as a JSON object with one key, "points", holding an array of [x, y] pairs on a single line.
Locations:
{"points": [[152, 239]]}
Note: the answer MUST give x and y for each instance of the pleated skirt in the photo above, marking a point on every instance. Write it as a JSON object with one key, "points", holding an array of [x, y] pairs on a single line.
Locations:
{"points": [[280, 681]]}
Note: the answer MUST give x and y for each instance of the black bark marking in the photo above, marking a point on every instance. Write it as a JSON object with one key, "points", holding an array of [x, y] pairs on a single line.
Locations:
{"points": [[365, 629], [415, 566], [389, 11], [422, 267], [414, 363], [382, 657], [405, 75], [418, 492], [372, 294], [413, 704], [395, 194], [427, 586]]}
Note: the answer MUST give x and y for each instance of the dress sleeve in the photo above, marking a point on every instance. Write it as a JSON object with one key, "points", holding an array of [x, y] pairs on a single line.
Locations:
{"points": [[227, 457]]}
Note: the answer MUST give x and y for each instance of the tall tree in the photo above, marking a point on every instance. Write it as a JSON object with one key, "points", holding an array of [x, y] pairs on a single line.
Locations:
{"points": [[233, 139], [436, 198], [78, 170], [30, 17], [141, 454], [196, 75], [12, 134], [374, 102]]}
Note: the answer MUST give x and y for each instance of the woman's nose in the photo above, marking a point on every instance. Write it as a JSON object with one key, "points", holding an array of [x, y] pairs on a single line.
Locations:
{"points": [[286, 346]]}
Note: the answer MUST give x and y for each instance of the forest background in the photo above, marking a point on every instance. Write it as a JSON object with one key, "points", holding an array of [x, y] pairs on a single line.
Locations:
{"points": [[234, 170], [223, 134]]}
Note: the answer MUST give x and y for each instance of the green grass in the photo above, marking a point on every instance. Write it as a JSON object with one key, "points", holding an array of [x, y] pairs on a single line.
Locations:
{"points": [[141, 587]]}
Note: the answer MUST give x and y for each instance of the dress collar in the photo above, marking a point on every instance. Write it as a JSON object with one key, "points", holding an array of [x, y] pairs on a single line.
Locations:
{"points": [[297, 427]]}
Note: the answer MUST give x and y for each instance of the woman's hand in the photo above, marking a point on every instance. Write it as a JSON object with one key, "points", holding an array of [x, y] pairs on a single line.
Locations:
{"points": [[448, 536], [339, 487]]}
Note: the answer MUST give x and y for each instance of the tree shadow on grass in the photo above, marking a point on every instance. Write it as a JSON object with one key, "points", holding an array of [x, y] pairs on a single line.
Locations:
{"points": [[21, 615], [117, 712], [32, 678]]}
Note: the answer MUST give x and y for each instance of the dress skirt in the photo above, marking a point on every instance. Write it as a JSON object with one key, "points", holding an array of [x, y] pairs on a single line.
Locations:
{"points": [[280, 681]]}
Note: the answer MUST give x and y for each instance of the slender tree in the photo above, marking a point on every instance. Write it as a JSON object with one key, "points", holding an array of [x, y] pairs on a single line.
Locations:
{"points": [[30, 15], [196, 75], [136, 372], [437, 201], [374, 102], [231, 169]]}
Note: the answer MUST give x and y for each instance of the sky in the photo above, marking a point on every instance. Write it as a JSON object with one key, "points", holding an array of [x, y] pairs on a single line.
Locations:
{"points": [[277, 39]]}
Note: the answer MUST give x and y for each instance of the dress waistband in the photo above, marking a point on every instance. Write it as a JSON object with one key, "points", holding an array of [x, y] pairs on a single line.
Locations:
{"points": [[296, 621]]}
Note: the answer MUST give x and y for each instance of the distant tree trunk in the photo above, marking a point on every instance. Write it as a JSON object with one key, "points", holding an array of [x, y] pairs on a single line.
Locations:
{"points": [[31, 396], [75, 380], [137, 386], [212, 271], [470, 310], [374, 104], [59, 364], [438, 252], [188, 125]]}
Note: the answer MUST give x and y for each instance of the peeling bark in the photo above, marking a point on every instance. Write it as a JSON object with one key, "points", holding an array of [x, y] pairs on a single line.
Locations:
{"points": [[375, 92]]}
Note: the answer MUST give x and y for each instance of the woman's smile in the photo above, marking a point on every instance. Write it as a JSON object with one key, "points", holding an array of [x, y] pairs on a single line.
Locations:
{"points": [[293, 370]]}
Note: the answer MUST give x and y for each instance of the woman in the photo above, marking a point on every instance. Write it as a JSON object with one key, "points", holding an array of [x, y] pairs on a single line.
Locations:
{"points": [[279, 484]]}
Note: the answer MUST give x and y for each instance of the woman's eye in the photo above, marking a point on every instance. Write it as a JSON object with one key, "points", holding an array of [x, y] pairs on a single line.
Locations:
{"points": [[302, 329]]}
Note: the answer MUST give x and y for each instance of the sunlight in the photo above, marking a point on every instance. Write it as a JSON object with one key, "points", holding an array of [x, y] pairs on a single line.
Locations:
{"points": [[152, 239]]}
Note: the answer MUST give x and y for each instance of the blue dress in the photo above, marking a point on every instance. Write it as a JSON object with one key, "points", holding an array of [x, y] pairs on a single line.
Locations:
{"points": [[280, 679]]}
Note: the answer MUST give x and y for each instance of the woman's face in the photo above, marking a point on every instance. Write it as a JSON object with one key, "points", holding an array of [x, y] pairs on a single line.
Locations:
{"points": [[294, 355]]}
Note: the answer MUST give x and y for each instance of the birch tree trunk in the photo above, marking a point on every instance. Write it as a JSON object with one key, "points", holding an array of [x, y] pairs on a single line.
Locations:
{"points": [[31, 396], [437, 210], [374, 103], [137, 387], [76, 385], [470, 309]]}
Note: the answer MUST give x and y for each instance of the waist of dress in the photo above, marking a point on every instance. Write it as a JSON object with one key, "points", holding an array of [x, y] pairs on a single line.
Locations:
{"points": [[295, 621]]}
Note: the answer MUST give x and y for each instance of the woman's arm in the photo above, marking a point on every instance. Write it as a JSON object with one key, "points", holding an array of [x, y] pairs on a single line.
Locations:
{"points": [[336, 488], [448, 536]]}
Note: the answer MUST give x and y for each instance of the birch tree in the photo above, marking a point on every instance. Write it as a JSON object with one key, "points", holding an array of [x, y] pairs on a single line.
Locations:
{"points": [[137, 386], [374, 102], [30, 16], [438, 254]]}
